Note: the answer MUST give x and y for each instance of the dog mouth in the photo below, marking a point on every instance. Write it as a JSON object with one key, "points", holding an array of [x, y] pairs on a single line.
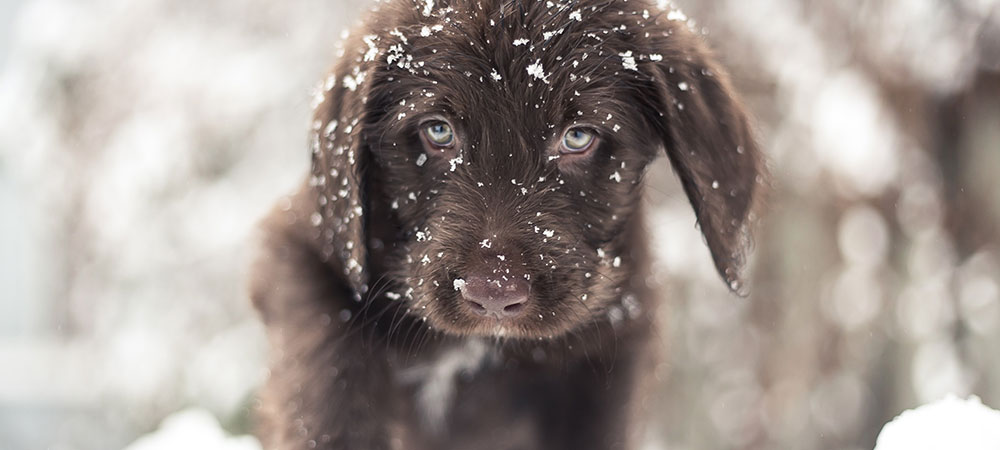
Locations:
{"points": [[501, 289]]}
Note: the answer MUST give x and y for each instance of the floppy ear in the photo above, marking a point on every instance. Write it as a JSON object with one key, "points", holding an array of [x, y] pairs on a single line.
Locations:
{"points": [[339, 161], [709, 141]]}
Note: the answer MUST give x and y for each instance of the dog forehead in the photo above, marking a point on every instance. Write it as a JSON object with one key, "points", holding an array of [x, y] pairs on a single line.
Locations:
{"points": [[523, 46], [524, 67]]}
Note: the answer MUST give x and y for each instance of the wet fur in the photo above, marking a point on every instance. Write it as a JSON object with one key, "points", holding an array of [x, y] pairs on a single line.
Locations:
{"points": [[355, 279]]}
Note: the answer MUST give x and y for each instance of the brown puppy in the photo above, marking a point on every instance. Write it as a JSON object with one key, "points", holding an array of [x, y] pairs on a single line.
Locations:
{"points": [[465, 268]]}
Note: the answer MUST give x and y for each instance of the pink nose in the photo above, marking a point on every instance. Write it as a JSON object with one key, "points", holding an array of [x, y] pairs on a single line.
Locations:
{"points": [[498, 296]]}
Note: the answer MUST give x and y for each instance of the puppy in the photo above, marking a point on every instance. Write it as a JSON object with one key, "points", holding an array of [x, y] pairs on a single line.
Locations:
{"points": [[465, 267]]}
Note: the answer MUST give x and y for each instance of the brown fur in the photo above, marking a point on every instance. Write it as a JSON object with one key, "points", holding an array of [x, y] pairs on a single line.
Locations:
{"points": [[356, 278]]}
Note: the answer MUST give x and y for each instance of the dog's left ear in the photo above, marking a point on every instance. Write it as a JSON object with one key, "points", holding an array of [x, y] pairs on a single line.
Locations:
{"points": [[340, 159], [709, 141]]}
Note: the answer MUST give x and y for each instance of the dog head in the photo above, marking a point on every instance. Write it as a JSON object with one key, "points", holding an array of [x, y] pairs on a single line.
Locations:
{"points": [[491, 153]]}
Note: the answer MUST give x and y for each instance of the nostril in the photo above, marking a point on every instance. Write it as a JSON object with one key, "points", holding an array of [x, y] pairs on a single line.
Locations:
{"points": [[514, 309], [477, 307]]}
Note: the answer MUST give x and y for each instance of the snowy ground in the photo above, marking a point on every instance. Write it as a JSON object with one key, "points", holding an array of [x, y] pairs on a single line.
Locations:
{"points": [[950, 423]]}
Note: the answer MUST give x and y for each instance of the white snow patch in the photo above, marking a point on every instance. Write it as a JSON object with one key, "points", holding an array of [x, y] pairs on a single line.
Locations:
{"points": [[372, 47], [193, 429], [677, 15], [950, 423], [455, 162], [352, 82], [330, 128], [628, 61], [550, 34], [536, 70]]}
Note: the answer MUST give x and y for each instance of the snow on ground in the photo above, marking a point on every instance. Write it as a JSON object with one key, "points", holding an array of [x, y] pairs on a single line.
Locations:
{"points": [[950, 423], [193, 429]]}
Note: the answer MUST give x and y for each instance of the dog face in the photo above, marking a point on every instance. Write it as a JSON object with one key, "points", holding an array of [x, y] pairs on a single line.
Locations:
{"points": [[491, 154]]}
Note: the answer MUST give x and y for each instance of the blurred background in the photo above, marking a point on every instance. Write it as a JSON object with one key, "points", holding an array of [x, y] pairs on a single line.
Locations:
{"points": [[140, 141]]}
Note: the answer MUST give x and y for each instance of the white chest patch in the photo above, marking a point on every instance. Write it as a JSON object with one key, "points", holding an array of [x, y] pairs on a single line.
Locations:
{"points": [[436, 380]]}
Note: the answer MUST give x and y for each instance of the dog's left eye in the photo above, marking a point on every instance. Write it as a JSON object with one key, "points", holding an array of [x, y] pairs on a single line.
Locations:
{"points": [[577, 140], [439, 134]]}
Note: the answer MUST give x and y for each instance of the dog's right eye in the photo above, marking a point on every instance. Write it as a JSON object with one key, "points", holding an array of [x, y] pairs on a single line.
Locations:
{"points": [[438, 135], [577, 140]]}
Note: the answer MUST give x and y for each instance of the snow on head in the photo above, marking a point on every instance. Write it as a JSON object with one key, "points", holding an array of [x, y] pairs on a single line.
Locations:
{"points": [[536, 70], [628, 61]]}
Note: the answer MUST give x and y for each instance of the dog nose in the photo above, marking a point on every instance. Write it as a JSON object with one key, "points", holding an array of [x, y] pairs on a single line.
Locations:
{"points": [[496, 296]]}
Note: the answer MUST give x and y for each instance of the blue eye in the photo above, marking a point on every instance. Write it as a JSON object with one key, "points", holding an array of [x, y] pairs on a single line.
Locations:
{"points": [[439, 134], [577, 140]]}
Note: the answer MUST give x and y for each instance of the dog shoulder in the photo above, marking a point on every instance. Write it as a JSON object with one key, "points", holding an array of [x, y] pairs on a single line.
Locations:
{"points": [[288, 272]]}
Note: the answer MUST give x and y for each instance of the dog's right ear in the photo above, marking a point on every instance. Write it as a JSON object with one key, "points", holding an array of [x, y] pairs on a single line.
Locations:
{"points": [[339, 161], [708, 138]]}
